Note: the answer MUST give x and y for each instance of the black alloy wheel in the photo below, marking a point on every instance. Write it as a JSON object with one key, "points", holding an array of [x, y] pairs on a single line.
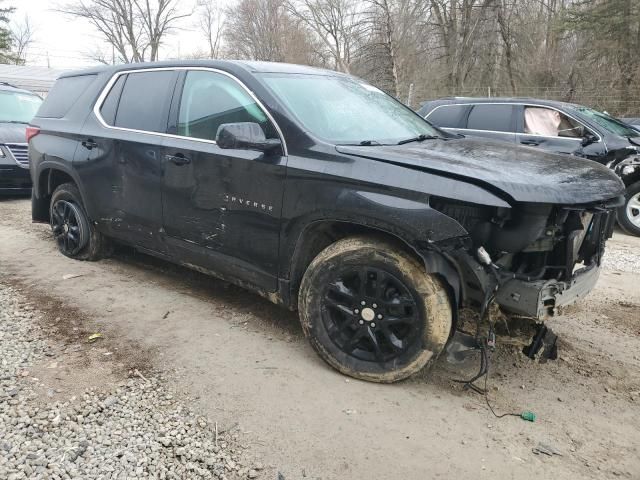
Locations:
{"points": [[371, 311], [370, 314], [69, 227], [76, 235]]}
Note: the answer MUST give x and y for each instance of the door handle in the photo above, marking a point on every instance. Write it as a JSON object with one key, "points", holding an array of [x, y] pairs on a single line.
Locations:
{"points": [[533, 143], [178, 159], [89, 144]]}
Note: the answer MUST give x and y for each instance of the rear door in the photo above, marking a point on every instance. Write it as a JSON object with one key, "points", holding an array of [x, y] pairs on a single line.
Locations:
{"points": [[221, 207], [120, 160], [491, 120]]}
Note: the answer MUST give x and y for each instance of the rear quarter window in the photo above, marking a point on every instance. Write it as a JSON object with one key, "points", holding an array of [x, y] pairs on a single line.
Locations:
{"points": [[447, 116], [64, 94]]}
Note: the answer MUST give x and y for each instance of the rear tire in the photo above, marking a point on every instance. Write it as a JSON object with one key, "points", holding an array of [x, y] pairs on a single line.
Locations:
{"points": [[629, 213], [73, 231], [372, 312]]}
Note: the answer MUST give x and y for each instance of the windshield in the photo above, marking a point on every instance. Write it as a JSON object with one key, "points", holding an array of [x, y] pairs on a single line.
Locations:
{"points": [[344, 110], [609, 123], [18, 107]]}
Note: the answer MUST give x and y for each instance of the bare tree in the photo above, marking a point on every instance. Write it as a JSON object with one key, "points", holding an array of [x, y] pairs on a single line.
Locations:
{"points": [[22, 36], [135, 28], [157, 18], [255, 30], [459, 25], [211, 23], [337, 23]]}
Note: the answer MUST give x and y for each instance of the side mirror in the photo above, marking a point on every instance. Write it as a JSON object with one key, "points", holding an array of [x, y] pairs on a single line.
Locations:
{"points": [[588, 139], [245, 136]]}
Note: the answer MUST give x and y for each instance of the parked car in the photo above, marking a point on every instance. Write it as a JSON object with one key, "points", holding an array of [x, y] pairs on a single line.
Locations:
{"points": [[343, 204], [634, 122], [553, 126], [17, 108]]}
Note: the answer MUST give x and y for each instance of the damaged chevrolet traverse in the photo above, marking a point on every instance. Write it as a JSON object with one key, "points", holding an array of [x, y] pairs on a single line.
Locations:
{"points": [[321, 193]]}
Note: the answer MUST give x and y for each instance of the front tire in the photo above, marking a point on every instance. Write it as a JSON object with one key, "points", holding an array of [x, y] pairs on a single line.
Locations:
{"points": [[629, 213], [72, 229], [372, 312]]}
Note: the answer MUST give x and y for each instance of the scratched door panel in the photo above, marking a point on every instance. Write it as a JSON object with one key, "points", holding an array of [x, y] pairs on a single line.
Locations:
{"points": [[123, 171], [226, 204]]}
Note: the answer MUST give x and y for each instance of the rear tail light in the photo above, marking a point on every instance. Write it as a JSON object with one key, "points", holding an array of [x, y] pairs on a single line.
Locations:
{"points": [[32, 132]]}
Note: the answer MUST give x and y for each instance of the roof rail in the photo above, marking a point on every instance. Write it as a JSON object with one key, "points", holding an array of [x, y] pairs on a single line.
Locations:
{"points": [[7, 84]]}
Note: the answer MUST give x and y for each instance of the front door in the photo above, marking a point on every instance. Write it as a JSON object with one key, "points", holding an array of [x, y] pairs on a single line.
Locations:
{"points": [[550, 129], [221, 207]]}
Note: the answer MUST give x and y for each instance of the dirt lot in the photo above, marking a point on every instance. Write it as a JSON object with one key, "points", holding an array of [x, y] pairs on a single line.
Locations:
{"points": [[248, 368]]}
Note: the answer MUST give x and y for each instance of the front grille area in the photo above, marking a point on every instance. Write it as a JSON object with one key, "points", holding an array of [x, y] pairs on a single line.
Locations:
{"points": [[20, 152]]}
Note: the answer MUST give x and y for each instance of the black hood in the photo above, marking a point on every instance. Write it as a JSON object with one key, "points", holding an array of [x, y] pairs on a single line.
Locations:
{"points": [[523, 173], [12, 132]]}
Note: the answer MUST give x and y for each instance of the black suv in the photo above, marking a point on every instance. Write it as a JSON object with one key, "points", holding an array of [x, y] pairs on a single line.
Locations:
{"points": [[553, 126], [17, 108], [321, 193]]}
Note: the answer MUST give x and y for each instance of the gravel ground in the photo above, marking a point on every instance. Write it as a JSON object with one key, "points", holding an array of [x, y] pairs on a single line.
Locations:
{"points": [[622, 258], [137, 429], [622, 253]]}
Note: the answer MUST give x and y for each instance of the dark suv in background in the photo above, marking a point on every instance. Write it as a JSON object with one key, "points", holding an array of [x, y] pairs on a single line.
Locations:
{"points": [[17, 108], [321, 193], [553, 126]]}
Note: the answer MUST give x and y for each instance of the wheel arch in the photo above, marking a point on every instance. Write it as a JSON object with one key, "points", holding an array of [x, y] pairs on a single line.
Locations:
{"points": [[49, 177], [318, 235]]}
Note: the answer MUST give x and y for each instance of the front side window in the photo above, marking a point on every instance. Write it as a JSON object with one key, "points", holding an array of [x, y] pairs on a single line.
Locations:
{"points": [[447, 116], [18, 107], [492, 117], [211, 99], [343, 110], [144, 101], [609, 123], [551, 123]]}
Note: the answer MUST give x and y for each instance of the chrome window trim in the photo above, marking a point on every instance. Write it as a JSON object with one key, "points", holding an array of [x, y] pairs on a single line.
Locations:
{"points": [[114, 79], [476, 130], [524, 104]]}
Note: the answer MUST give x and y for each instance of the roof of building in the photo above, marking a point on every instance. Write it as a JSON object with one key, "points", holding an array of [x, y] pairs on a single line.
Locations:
{"points": [[35, 79]]}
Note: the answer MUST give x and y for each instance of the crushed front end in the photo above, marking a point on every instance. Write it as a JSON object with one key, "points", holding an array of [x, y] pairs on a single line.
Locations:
{"points": [[531, 258]]}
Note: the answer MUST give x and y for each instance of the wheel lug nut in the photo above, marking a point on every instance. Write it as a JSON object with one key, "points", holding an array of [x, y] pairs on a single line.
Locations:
{"points": [[356, 311], [363, 303], [379, 317], [361, 322], [373, 324], [375, 305]]}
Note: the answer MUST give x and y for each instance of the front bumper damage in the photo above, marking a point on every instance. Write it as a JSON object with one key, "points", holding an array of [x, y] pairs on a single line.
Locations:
{"points": [[540, 298], [570, 277]]}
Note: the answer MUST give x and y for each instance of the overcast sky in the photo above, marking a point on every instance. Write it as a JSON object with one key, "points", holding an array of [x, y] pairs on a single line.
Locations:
{"points": [[68, 41]]}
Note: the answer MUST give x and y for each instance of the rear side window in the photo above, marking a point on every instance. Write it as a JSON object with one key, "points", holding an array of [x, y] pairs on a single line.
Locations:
{"points": [[447, 116], [64, 95], [145, 99], [497, 118]]}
